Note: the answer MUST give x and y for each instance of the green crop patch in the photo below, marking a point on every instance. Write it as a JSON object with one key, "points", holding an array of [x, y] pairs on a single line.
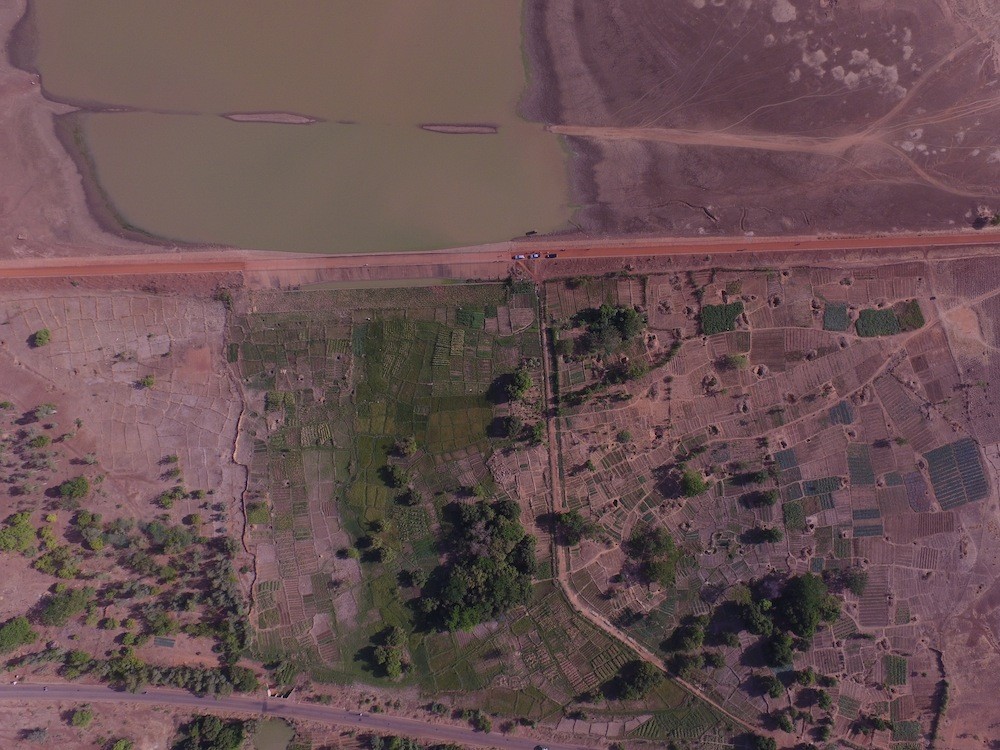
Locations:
{"points": [[957, 474], [895, 668], [877, 323], [720, 318], [835, 317]]}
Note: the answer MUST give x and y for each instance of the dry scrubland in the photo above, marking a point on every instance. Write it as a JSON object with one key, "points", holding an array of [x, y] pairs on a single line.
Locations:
{"points": [[382, 462]]}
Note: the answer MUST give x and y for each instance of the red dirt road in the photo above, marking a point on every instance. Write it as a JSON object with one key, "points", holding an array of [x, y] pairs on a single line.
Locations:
{"points": [[565, 249]]}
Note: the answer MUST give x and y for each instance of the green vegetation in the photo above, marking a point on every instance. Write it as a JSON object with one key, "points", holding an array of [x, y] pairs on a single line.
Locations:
{"points": [[18, 534], [835, 317], [258, 514], [211, 733], [82, 717], [572, 527], [877, 323], [14, 633], [693, 483], [76, 488], [720, 318], [388, 654], [909, 315], [41, 337], [488, 571], [121, 744], [148, 381], [803, 603], [656, 553], [635, 679], [609, 327], [64, 603], [519, 385]]}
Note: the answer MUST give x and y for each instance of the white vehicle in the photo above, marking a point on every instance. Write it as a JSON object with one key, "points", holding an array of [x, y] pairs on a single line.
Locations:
{"points": [[518, 257], [535, 255]]}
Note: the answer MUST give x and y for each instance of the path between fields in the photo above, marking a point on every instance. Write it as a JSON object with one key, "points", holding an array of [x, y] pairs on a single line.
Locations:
{"points": [[381, 722]]}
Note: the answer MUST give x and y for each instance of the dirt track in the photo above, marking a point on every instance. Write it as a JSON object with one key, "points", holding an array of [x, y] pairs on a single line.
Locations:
{"points": [[568, 249]]}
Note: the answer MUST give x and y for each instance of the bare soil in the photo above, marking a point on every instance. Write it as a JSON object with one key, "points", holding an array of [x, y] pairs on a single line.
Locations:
{"points": [[771, 117]]}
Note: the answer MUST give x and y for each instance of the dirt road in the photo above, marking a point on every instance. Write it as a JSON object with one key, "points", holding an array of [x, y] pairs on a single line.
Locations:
{"points": [[290, 709], [501, 254]]}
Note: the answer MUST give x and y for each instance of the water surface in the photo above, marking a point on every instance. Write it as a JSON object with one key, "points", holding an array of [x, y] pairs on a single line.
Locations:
{"points": [[365, 177]]}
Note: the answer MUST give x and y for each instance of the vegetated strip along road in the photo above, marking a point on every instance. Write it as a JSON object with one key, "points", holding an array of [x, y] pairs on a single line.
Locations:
{"points": [[236, 261], [278, 707]]}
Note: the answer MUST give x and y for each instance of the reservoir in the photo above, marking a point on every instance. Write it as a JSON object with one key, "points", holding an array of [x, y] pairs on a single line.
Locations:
{"points": [[174, 95]]}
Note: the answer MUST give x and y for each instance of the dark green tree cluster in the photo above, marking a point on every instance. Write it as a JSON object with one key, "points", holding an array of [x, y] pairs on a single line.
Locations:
{"points": [[388, 653], [654, 549], [572, 527], [489, 567], [205, 732], [693, 483], [519, 385], [609, 327], [803, 602], [17, 534], [854, 580], [634, 681]]}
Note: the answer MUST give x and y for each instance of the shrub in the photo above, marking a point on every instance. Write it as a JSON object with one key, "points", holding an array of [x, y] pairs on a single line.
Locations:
{"points": [[14, 633], [624, 436], [18, 534], [41, 337], [720, 318], [146, 382], [82, 717], [59, 607]]}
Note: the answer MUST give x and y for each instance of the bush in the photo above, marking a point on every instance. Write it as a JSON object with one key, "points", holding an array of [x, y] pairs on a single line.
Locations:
{"points": [[405, 446], [82, 717], [211, 733], [14, 633], [720, 318], [59, 607], [41, 337]]}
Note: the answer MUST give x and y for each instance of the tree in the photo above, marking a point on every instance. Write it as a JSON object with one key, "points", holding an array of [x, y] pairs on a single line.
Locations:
{"points": [[778, 650], [41, 337], [771, 685], [693, 483], [16, 632], [211, 733], [763, 743], [76, 488], [634, 681], [519, 385], [122, 744], [804, 601], [572, 527]]}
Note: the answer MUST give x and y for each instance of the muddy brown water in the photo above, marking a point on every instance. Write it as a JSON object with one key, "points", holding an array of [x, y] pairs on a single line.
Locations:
{"points": [[363, 177]]}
